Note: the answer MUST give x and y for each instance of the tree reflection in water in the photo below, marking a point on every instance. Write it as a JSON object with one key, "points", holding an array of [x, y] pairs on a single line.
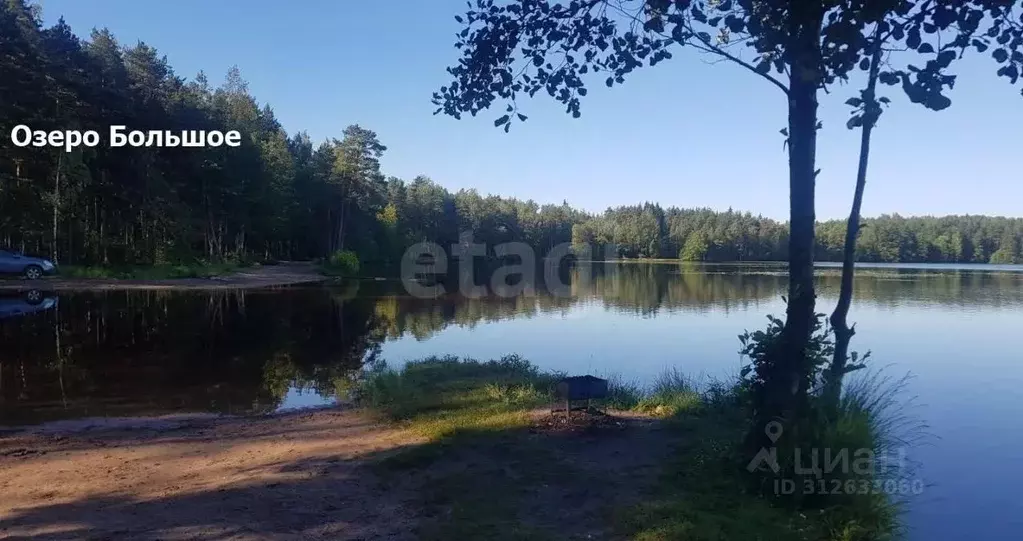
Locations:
{"points": [[149, 352]]}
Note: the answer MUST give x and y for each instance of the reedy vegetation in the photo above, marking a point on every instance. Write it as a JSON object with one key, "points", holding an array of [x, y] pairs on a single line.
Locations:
{"points": [[703, 494]]}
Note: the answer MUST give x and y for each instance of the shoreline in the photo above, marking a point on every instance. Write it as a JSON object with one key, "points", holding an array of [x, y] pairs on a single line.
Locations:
{"points": [[280, 275], [440, 449], [335, 473], [287, 274]]}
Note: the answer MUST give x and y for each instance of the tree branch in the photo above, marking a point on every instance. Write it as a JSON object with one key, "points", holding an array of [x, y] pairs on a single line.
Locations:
{"points": [[713, 49], [707, 47]]}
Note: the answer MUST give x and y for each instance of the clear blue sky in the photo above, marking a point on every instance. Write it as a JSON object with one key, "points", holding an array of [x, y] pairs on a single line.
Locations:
{"points": [[683, 133]]}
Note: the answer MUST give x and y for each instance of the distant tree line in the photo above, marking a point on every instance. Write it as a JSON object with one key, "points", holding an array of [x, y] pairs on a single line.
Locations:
{"points": [[284, 197], [648, 231]]}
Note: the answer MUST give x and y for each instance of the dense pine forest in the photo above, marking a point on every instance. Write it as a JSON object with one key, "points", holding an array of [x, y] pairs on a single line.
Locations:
{"points": [[281, 196]]}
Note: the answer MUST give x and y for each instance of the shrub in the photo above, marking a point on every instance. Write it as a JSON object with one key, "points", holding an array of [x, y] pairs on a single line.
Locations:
{"points": [[867, 423], [343, 263]]}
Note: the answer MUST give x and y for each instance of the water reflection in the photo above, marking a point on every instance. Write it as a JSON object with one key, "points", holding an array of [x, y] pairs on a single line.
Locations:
{"points": [[18, 304], [153, 352]]}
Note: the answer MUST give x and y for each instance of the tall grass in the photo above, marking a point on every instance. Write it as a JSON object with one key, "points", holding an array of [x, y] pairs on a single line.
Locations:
{"points": [[671, 393], [860, 496], [880, 401], [876, 413], [436, 383], [622, 395], [706, 492], [439, 395]]}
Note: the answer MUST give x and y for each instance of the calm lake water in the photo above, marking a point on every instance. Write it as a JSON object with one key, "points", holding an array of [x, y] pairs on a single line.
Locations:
{"points": [[954, 328]]}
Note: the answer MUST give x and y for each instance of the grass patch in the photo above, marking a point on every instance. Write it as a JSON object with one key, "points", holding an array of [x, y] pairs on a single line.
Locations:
{"points": [[622, 395], [157, 272], [485, 473], [672, 393], [479, 468], [704, 495], [440, 395]]}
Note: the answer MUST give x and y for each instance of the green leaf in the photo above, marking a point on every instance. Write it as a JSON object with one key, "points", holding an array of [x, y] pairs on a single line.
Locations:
{"points": [[888, 78], [913, 38], [734, 23], [1000, 55], [655, 24], [854, 102], [946, 58], [925, 48], [503, 120], [522, 117], [937, 102]]}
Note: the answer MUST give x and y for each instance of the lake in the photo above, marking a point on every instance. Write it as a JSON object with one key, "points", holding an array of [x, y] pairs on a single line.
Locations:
{"points": [[952, 327]]}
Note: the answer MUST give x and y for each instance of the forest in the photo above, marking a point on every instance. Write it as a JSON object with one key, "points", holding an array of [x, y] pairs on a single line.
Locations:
{"points": [[705, 235], [281, 196]]}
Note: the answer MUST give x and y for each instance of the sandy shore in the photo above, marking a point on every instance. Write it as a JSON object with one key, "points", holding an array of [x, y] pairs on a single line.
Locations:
{"points": [[284, 274], [293, 476], [309, 475]]}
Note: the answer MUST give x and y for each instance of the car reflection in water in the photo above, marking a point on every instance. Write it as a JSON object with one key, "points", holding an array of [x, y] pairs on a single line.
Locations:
{"points": [[25, 303]]}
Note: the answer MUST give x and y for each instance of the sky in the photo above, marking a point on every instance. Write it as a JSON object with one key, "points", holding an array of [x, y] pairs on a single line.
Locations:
{"points": [[687, 132]]}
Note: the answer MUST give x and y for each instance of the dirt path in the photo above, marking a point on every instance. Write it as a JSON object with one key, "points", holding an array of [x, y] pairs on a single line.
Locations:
{"points": [[296, 476], [310, 475], [283, 274]]}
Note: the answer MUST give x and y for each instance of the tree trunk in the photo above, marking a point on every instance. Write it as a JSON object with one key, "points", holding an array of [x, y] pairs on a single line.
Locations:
{"points": [[844, 333], [785, 389], [56, 206], [801, 298], [341, 226]]}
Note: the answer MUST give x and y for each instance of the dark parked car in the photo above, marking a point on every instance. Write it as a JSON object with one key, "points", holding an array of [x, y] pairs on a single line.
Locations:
{"points": [[26, 303], [32, 268]]}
